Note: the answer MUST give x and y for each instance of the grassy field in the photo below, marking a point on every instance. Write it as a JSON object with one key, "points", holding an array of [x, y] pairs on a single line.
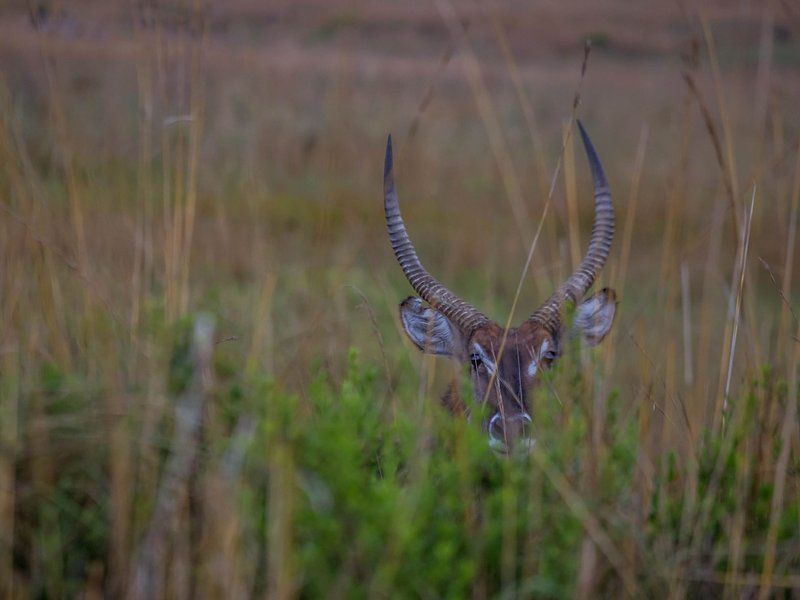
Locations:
{"points": [[205, 390]]}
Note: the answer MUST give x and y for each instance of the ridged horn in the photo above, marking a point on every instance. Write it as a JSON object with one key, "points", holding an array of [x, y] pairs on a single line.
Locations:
{"points": [[574, 288], [460, 313]]}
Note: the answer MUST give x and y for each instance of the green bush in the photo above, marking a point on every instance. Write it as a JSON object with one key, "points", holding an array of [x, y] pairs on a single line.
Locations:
{"points": [[351, 490]]}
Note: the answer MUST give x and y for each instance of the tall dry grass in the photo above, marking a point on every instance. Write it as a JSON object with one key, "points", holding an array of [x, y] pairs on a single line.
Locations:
{"points": [[162, 163]]}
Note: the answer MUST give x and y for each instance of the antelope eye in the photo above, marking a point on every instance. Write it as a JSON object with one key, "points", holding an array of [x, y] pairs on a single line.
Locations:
{"points": [[550, 355], [475, 361]]}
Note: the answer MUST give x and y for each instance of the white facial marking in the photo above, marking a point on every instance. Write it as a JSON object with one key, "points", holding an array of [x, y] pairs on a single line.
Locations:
{"points": [[524, 443], [532, 369], [545, 347], [497, 445], [488, 362]]}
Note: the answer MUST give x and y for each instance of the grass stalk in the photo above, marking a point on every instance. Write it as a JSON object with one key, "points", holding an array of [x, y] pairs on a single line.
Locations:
{"points": [[741, 270], [686, 304]]}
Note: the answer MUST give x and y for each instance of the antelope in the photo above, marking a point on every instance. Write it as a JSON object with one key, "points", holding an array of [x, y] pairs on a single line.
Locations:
{"points": [[504, 364]]}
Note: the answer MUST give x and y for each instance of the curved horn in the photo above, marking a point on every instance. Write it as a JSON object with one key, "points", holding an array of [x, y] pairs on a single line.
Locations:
{"points": [[462, 314], [574, 288]]}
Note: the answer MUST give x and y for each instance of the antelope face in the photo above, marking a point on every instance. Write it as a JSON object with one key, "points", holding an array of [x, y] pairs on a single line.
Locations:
{"points": [[505, 365], [503, 379]]}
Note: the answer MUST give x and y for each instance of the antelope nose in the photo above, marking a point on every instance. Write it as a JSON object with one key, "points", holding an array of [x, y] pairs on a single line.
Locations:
{"points": [[514, 429]]}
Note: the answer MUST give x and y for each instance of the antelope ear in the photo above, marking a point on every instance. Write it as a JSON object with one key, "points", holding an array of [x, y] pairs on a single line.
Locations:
{"points": [[595, 315], [430, 330]]}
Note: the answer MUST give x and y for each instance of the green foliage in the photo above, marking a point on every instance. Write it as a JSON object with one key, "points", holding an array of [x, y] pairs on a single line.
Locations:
{"points": [[733, 479], [417, 504], [422, 507], [376, 496]]}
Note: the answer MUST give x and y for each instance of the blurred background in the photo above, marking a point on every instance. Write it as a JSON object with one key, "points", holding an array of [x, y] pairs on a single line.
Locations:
{"points": [[166, 159]]}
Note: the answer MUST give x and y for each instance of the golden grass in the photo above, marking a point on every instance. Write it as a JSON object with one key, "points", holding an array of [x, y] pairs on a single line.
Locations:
{"points": [[175, 164]]}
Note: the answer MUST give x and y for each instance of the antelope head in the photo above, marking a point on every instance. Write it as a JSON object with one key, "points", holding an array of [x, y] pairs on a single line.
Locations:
{"points": [[505, 364]]}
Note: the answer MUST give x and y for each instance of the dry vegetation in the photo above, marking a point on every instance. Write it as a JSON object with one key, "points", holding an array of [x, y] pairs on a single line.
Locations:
{"points": [[204, 390]]}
